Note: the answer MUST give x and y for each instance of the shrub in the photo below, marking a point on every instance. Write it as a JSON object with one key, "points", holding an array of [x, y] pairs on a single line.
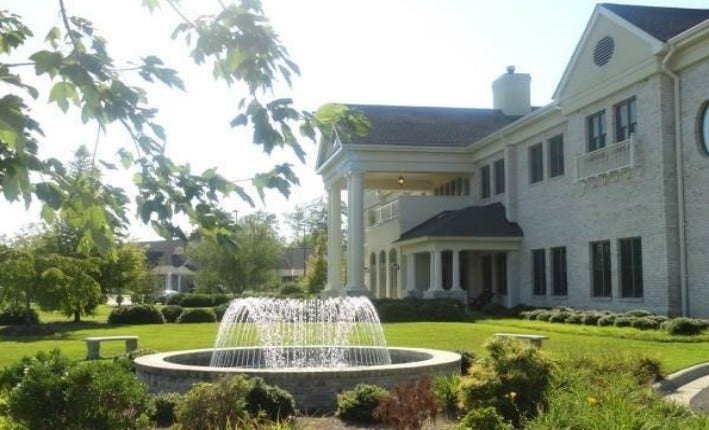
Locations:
{"points": [[638, 313], [197, 315], [275, 402], [165, 404], [441, 310], [622, 321], [494, 309], [534, 314], [445, 390], [514, 379], [408, 406], [393, 310], [136, 314], [213, 406], [358, 405], [291, 289], [646, 323], [59, 395], [558, 316], [18, 316], [484, 419], [544, 315], [591, 318], [54, 360], [683, 326], [171, 312], [220, 310], [203, 300], [659, 319], [467, 358], [606, 320], [126, 360], [646, 370], [576, 318]]}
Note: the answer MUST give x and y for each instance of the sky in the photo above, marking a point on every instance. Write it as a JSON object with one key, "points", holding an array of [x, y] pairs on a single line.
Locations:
{"points": [[393, 52]]}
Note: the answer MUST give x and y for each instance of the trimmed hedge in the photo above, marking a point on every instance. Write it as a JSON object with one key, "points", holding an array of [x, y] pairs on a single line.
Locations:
{"points": [[195, 300], [136, 314], [220, 310], [683, 326], [171, 312], [17, 316], [397, 310], [197, 315]]}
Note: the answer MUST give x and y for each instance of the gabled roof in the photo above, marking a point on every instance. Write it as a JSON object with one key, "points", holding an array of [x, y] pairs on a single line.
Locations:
{"points": [[295, 258], [661, 23], [473, 221], [427, 126]]}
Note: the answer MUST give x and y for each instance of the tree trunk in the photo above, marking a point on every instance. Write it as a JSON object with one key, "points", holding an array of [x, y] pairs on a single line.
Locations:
{"points": [[77, 316]]}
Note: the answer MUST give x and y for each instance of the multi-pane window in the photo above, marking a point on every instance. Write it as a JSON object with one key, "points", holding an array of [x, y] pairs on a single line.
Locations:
{"points": [[485, 182], [499, 167], [501, 272], [596, 131], [556, 156], [558, 271], [631, 267], [625, 119], [601, 268], [539, 272], [536, 163]]}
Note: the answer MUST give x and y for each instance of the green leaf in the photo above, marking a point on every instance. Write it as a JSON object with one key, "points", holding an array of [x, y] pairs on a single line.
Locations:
{"points": [[47, 62], [151, 5], [62, 92], [48, 214], [53, 35], [126, 158]]}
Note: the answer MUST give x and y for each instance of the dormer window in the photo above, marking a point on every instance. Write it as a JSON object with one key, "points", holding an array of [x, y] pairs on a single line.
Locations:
{"points": [[596, 124], [625, 119]]}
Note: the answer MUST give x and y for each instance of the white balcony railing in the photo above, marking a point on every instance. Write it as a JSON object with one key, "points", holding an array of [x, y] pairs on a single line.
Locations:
{"points": [[612, 158], [384, 213]]}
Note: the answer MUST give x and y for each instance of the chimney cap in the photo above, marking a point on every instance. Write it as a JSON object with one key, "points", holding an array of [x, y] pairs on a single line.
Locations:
{"points": [[510, 69]]}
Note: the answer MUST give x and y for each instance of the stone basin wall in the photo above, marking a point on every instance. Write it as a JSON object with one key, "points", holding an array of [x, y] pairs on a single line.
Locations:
{"points": [[313, 389]]}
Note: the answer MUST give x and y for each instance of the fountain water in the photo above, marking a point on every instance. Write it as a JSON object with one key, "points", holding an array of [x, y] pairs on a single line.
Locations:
{"points": [[313, 348], [329, 333]]}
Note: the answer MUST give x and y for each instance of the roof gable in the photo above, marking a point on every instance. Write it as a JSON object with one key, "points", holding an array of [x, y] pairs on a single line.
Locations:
{"points": [[662, 23], [609, 48]]}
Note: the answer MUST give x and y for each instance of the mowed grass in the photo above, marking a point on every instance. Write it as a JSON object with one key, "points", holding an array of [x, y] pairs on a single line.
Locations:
{"points": [[673, 352]]}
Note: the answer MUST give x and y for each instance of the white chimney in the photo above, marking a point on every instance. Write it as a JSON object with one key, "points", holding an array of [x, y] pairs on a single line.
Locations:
{"points": [[510, 93]]}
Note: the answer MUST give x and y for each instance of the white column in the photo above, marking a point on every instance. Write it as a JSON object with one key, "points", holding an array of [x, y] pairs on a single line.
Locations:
{"points": [[436, 281], [455, 286], [410, 272], [334, 240], [355, 230], [511, 182], [387, 276], [168, 281], [513, 285]]}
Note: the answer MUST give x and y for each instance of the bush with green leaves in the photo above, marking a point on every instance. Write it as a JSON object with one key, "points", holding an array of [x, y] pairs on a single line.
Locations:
{"points": [[197, 300], [484, 419], [441, 310], [291, 289], [396, 310], [171, 312], [591, 318], [165, 404], [212, 406], [514, 379], [683, 326], [544, 315], [58, 394], [445, 389], [220, 310], [624, 321], [136, 314], [645, 323], [558, 316], [358, 404], [638, 313], [197, 315], [272, 401], [575, 318], [18, 316], [467, 358], [606, 320]]}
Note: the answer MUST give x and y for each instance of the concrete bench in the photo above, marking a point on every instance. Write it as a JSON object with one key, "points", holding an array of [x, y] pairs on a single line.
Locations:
{"points": [[93, 344], [534, 339]]}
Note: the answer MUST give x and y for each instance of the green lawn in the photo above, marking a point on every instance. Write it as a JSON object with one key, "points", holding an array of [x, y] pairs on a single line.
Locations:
{"points": [[674, 352]]}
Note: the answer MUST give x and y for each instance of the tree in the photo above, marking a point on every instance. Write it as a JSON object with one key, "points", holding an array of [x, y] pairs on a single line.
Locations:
{"points": [[248, 261], [316, 277], [244, 51], [70, 285], [18, 279], [126, 269]]}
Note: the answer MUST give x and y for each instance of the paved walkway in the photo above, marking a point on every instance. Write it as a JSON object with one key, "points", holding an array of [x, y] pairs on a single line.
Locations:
{"points": [[688, 387]]}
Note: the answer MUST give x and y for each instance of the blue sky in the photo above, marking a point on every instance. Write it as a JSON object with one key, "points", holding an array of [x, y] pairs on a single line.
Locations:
{"points": [[398, 52]]}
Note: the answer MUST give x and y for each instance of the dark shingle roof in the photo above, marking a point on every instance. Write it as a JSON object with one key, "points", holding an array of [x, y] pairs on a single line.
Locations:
{"points": [[295, 258], [424, 126], [661, 23], [473, 221]]}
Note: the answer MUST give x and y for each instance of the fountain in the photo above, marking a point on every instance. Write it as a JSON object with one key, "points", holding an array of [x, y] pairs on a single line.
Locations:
{"points": [[312, 348]]}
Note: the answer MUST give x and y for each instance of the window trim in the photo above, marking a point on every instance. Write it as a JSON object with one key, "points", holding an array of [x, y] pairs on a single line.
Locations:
{"points": [[601, 139], [617, 117], [561, 168], [636, 269], [499, 180], [539, 280], [607, 270], [563, 291], [533, 179]]}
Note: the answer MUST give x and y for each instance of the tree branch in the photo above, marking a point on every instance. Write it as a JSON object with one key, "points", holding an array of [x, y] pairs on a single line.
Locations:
{"points": [[9, 65], [182, 15], [67, 26]]}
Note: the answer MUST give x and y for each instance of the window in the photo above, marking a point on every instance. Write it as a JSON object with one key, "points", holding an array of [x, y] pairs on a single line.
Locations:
{"points": [[558, 271], [631, 267], [458, 186], [499, 176], [601, 269], [556, 156], [596, 131], [539, 272], [625, 119], [536, 163], [485, 182], [501, 272]]}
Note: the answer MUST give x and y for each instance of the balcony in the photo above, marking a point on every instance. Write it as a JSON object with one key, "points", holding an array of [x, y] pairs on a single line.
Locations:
{"points": [[384, 213], [612, 158]]}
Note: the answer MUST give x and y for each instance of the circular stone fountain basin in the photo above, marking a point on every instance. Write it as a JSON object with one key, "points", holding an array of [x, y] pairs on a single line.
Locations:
{"points": [[314, 389]]}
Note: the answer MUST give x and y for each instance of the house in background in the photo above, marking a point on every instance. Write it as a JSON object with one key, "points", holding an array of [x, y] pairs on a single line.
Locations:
{"points": [[598, 200], [169, 265], [293, 264]]}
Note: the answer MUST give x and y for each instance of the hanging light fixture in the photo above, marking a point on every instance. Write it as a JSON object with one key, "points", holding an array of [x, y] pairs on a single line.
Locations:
{"points": [[400, 180]]}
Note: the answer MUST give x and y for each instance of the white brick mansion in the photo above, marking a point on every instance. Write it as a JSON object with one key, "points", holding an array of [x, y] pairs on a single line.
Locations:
{"points": [[597, 200]]}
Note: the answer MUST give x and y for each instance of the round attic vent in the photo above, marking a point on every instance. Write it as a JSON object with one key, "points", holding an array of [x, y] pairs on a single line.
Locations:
{"points": [[603, 51]]}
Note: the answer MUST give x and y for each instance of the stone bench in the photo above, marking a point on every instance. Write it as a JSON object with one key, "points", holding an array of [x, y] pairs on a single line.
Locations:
{"points": [[93, 344], [534, 339]]}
